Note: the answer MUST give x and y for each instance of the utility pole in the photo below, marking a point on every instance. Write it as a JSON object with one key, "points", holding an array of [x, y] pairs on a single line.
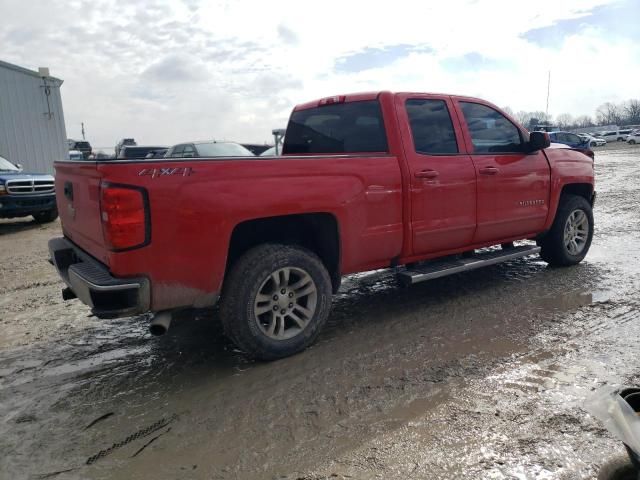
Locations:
{"points": [[84, 138], [548, 89]]}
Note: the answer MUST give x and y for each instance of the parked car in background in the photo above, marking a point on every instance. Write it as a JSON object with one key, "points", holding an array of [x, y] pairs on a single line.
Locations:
{"points": [[615, 135], [568, 138], [255, 148], [269, 152], [75, 155], [208, 149], [592, 140], [80, 145], [159, 153], [572, 140], [122, 143], [633, 137], [102, 156], [23, 194], [138, 151]]}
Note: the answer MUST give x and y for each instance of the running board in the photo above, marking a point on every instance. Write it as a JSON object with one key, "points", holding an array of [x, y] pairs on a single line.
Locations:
{"points": [[442, 268]]}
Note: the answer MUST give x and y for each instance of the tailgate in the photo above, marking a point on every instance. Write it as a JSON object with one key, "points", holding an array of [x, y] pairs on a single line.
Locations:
{"points": [[78, 198]]}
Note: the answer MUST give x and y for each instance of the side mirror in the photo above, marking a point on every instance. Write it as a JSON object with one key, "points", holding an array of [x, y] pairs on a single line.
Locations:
{"points": [[19, 166], [538, 141]]}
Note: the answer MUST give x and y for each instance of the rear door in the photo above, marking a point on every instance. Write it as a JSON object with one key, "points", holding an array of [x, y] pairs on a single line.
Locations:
{"points": [[442, 177], [78, 198], [513, 185]]}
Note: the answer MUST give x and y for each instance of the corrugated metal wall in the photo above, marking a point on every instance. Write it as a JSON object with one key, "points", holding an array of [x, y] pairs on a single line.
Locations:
{"points": [[31, 133]]}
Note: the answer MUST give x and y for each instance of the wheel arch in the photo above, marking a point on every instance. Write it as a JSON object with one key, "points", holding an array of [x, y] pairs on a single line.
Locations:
{"points": [[318, 232], [584, 190]]}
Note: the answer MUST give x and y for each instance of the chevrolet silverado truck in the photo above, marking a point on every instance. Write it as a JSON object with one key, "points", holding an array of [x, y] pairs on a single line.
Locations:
{"points": [[426, 184], [23, 194]]}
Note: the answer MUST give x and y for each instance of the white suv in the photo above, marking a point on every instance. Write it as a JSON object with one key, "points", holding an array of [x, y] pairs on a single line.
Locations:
{"points": [[633, 137], [615, 135]]}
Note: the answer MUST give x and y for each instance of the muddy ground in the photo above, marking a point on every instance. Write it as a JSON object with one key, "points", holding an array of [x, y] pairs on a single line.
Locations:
{"points": [[479, 375]]}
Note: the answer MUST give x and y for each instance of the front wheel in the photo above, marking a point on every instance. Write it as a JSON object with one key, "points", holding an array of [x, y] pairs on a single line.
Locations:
{"points": [[46, 216], [632, 142], [275, 301], [569, 238]]}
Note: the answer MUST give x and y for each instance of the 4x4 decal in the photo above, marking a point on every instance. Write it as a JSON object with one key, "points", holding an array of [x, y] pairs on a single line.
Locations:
{"points": [[162, 172]]}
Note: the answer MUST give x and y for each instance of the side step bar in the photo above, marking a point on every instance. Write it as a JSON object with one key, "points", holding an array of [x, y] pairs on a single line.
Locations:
{"points": [[442, 268]]}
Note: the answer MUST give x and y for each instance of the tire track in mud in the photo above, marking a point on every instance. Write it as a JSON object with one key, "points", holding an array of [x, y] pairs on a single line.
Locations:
{"points": [[536, 396]]}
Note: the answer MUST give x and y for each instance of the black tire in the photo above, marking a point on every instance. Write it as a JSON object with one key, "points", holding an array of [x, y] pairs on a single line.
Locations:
{"points": [[632, 142], [240, 294], [554, 251], [46, 216], [618, 468]]}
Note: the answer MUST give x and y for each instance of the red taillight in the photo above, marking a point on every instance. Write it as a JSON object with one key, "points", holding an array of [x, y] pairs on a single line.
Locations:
{"points": [[124, 217]]}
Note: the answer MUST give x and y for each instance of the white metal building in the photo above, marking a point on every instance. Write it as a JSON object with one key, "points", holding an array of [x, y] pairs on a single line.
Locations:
{"points": [[32, 130]]}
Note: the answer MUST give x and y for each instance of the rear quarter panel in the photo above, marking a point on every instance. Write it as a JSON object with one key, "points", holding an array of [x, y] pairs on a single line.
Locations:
{"points": [[193, 215]]}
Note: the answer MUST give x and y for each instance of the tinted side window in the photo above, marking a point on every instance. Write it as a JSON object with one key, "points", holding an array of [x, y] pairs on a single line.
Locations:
{"points": [[431, 126], [573, 138], [490, 130], [352, 127]]}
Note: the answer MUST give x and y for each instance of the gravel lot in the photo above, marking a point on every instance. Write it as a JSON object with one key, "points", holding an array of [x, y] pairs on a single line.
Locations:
{"points": [[478, 375]]}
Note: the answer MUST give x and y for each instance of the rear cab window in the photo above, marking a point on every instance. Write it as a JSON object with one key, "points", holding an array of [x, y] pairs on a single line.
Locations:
{"points": [[352, 127]]}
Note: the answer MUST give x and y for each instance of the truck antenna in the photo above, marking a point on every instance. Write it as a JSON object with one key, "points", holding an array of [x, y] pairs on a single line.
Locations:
{"points": [[548, 89]]}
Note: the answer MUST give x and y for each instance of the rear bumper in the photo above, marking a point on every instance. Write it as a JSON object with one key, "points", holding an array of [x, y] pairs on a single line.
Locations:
{"points": [[92, 283], [23, 205]]}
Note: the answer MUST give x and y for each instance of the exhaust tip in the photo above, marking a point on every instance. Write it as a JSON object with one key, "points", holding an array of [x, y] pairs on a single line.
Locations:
{"points": [[160, 324]]}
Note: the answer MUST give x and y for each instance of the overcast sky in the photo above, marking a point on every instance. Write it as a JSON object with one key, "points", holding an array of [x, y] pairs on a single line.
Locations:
{"points": [[177, 70]]}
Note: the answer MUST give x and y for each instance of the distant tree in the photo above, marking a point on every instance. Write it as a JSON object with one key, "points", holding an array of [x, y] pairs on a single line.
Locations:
{"points": [[508, 110], [523, 117], [564, 120], [583, 121], [609, 114], [543, 117], [632, 112]]}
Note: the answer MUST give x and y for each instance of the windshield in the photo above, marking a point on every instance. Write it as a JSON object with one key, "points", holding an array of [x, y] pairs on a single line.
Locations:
{"points": [[222, 150], [7, 166]]}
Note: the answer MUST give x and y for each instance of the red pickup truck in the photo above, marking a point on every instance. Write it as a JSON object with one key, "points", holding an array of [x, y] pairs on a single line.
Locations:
{"points": [[420, 182]]}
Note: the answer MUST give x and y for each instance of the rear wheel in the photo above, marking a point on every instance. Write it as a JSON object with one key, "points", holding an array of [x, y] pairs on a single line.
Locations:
{"points": [[275, 301], [46, 216], [569, 239]]}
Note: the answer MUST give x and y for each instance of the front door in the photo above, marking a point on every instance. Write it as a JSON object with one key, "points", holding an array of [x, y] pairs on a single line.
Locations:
{"points": [[513, 186], [442, 179]]}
